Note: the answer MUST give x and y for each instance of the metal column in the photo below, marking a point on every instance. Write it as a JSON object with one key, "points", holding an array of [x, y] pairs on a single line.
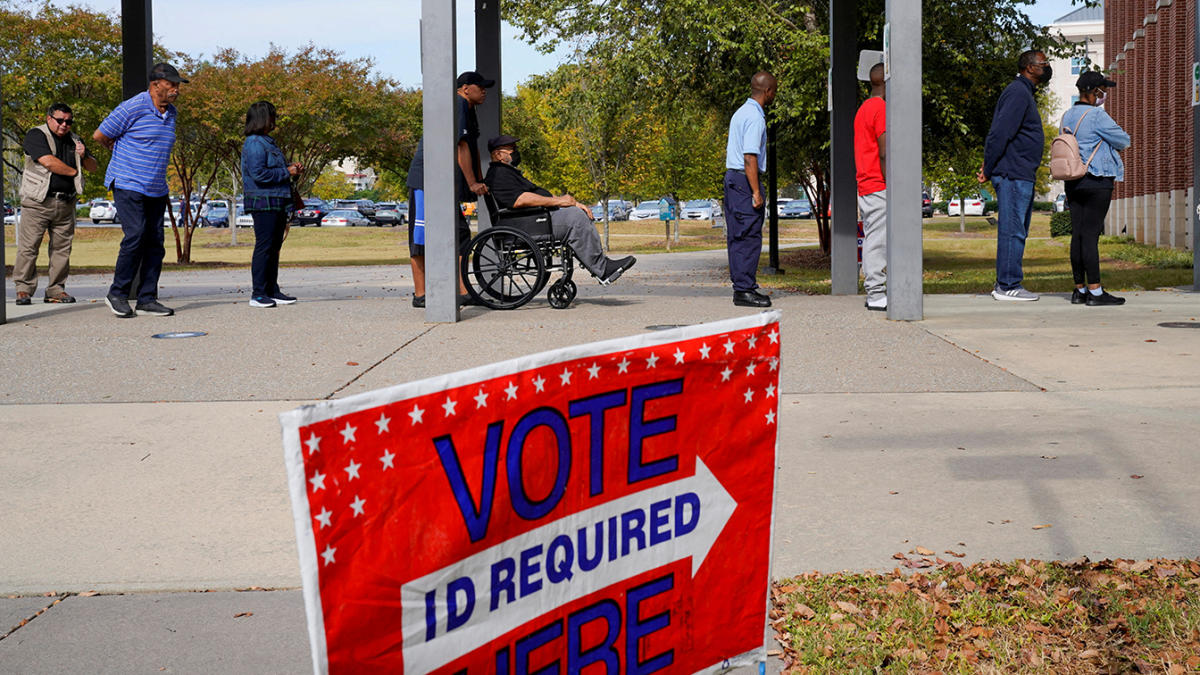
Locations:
{"points": [[487, 63], [3, 292], [904, 249], [844, 99], [438, 73], [137, 46]]}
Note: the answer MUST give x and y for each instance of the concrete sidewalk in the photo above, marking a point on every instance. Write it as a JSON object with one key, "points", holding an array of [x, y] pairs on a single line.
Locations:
{"points": [[960, 432]]}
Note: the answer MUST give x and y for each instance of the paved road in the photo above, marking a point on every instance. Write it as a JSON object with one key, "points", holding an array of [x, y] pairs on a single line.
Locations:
{"points": [[129, 464]]}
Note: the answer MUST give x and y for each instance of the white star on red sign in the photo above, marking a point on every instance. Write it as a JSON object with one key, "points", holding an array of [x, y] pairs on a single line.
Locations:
{"points": [[704, 350], [771, 417], [352, 470], [729, 346], [511, 390], [623, 366], [387, 458], [774, 335], [318, 481], [725, 375], [539, 383], [753, 340], [750, 368], [382, 423], [770, 390], [348, 433], [565, 377], [593, 372], [651, 361], [323, 518], [357, 505], [314, 444], [679, 356], [774, 363], [449, 406], [327, 554], [749, 395], [481, 399], [416, 414]]}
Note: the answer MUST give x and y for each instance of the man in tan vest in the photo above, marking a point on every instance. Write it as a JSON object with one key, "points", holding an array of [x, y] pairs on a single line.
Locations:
{"points": [[50, 187]]}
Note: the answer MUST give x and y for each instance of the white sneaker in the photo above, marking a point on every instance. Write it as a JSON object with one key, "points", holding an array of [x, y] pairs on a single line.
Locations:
{"points": [[1018, 294], [878, 304]]}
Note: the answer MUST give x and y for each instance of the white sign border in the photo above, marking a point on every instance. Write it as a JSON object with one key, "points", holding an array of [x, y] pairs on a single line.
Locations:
{"points": [[292, 420]]}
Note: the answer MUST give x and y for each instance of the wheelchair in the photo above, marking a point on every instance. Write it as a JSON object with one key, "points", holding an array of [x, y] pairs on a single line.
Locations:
{"points": [[508, 264]]}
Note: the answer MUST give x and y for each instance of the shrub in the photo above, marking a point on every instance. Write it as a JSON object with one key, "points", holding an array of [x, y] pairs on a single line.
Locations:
{"points": [[1043, 206], [939, 207], [989, 206], [1060, 224], [1149, 256]]}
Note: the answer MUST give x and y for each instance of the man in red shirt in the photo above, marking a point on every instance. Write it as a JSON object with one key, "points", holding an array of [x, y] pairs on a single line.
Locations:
{"points": [[870, 155]]}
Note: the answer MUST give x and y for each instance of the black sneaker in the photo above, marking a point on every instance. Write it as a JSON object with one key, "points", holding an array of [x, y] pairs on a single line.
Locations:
{"points": [[613, 269], [1103, 299], [24, 299], [282, 298], [1079, 296], [418, 301], [119, 306], [261, 301], [154, 308]]}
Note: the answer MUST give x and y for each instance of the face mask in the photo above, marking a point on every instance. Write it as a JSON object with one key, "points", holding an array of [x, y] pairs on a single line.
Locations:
{"points": [[1100, 98], [515, 158], [1047, 73]]}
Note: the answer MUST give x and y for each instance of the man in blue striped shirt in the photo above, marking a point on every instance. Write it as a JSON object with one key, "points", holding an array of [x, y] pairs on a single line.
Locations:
{"points": [[141, 132]]}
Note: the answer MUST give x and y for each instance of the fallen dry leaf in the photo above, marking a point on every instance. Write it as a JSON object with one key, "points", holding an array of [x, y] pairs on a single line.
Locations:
{"points": [[804, 612], [241, 614], [1135, 476], [1151, 340], [88, 594], [848, 607], [1042, 527], [352, 363], [921, 550], [956, 554], [1089, 654]]}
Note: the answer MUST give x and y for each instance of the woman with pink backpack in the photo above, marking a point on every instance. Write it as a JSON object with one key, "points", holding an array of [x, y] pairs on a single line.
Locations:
{"points": [[1100, 139]]}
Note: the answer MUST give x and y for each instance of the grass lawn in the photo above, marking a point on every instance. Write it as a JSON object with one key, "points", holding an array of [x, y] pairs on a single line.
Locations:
{"points": [[1018, 617], [954, 262]]}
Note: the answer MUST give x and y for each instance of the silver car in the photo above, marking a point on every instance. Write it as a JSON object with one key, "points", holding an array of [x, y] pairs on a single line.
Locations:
{"points": [[698, 209], [645, 211], [344, 218]]}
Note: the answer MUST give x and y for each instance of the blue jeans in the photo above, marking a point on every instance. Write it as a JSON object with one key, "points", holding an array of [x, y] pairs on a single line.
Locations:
{"points": [[1014, 206], [141, 247]]}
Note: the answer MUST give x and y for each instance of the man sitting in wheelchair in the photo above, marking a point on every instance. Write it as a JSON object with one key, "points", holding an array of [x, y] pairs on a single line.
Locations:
{"points": [[571, 221]]}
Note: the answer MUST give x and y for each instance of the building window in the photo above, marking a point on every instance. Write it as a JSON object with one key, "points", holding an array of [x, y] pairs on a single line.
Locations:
{"points": [[1078, 65]]}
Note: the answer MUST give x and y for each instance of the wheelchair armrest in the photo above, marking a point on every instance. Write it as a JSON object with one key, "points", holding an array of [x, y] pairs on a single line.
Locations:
{"points": [[503, 214]]}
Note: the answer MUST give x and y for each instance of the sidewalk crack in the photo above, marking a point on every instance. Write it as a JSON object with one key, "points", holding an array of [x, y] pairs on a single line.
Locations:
{"points": [[356, 378], [25, 622]]}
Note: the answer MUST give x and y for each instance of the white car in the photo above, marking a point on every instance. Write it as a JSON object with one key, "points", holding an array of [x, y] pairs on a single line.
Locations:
{"points": [[698, 209], [974, 206], [646, 210], [244, 219], [103, 210]]}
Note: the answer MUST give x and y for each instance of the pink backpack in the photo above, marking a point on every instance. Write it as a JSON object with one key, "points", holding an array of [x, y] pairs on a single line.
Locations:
{"points": [[1065, 161]]}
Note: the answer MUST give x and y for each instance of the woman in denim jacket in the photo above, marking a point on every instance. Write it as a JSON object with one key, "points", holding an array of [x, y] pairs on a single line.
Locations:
{"points": [[1089, 197], [267, 185]]}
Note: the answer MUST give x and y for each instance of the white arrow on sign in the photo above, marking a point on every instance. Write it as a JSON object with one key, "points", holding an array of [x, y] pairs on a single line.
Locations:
{"points": [[716, 507]]}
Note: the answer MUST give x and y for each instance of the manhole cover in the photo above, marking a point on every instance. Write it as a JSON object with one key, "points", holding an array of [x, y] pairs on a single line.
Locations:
{"points": [[1180, 324], [179, 334], [665, 326]]}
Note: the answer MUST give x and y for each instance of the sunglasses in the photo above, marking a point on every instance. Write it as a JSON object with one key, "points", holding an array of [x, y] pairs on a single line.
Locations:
{"points": [[65, 121]]}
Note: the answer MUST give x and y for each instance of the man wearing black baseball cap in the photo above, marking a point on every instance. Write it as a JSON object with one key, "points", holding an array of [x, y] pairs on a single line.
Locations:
{"points": [[570, 219]]}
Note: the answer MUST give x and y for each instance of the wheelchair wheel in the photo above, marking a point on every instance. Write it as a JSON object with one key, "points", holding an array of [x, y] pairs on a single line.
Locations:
{"points": [[504, 268], [561, 293]]}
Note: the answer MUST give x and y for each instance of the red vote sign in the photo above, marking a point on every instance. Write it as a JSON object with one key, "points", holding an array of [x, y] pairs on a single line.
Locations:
{"points": [[605, 508]]}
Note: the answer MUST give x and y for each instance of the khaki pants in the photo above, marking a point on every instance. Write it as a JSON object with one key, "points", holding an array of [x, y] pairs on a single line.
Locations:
{"points": [[56, 218]]}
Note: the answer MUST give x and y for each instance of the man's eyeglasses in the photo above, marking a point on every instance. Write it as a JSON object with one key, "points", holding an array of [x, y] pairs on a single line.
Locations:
{"points": [[65, 121]]}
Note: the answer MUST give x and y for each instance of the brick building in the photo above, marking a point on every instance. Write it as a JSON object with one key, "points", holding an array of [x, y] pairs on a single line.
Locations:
{"points": [[1149, 49]]}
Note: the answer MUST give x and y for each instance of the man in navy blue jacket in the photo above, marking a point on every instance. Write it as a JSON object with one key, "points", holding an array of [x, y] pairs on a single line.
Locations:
{"points": [[1011, 157]]}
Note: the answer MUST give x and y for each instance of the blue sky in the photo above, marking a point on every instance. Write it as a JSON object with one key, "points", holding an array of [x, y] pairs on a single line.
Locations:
{"points": [[385, 30]]}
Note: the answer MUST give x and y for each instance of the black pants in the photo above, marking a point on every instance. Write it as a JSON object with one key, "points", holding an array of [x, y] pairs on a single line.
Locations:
{"points": [[1089, 198], [269, 227], [142, 245]]}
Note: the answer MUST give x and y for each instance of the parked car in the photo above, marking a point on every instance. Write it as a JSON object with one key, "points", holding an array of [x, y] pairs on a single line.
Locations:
{"points": [[645, 210], [390, 217], [344, 218], [314, 210], [926, 205], [1060, 204], [366, 207], [697, 209], [620, 209], [615, 212], [101, 210], [974, 206], [215, 213], [244, 219], [796, 208], [8, 209]]}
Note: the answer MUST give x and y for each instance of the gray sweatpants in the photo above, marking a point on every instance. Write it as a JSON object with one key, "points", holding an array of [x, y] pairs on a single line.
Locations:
{"points": [[872, 209], [576, 227]]}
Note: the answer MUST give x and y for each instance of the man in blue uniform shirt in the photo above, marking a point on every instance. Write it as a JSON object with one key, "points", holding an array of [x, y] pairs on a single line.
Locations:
{"points": [[745, 157]]}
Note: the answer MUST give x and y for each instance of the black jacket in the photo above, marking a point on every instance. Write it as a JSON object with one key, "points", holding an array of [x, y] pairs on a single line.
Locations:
{"points": [[1015, 142]]}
